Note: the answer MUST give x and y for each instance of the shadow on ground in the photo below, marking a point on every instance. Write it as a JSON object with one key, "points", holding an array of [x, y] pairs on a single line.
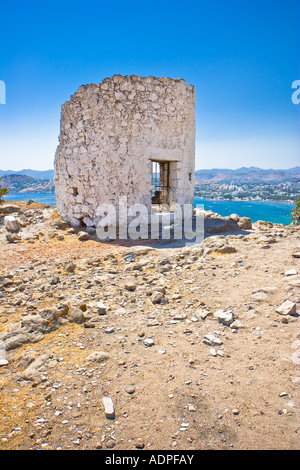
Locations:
{"points": [[211, 226]]}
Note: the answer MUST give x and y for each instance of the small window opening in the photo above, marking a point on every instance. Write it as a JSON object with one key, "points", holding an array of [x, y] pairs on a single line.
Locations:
{"points": [[75, 191]]}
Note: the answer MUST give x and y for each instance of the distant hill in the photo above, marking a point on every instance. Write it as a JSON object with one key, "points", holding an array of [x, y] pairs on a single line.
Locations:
{"points": [[41, 175], [24, 184], [44, 179], [247, 175]]}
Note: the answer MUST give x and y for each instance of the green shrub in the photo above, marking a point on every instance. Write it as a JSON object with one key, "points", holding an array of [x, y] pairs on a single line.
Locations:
{"points": [[3, 192], [296, 212]]}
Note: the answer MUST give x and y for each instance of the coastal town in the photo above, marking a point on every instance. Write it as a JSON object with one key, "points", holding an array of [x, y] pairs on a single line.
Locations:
{"points": [[287, 191], [251, 184]]}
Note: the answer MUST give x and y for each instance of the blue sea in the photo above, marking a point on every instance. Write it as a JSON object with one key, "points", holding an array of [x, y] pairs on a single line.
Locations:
{"points": [[269, 211]]}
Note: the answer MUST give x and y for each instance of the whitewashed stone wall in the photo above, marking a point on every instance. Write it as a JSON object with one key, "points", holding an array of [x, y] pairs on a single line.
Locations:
{"points": [[109, 134]]}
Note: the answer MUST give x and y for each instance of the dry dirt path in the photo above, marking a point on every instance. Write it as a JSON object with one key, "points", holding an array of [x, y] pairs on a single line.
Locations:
{"points": [[80, 321]]}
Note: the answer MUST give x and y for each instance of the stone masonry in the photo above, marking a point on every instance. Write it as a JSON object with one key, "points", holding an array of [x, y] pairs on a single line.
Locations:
{"points": [[113, 134]]}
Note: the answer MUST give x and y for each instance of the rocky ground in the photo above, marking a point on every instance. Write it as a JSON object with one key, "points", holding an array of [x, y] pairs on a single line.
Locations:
{"points": [[189, 343]]}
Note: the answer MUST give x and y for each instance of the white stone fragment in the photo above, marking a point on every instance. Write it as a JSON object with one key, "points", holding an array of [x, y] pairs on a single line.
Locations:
{"points": [[201, 313], [98, 356], [108, 407], [236, 325], [290, 272], [220, 353], [3, 362], [11, 224], [212, 340], [224, 316], [148, 342], [287, 308]]}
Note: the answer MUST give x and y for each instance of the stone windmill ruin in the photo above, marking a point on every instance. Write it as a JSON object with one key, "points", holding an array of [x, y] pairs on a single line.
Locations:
{"points": [[127, 136]]}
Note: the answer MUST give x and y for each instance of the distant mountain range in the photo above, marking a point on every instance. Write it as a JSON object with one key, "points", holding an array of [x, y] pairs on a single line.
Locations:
{"points": [[42, 181], [247, 175], [41, 175]]}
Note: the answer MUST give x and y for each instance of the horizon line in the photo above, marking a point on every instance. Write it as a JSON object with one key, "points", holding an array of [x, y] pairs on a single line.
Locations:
{"points": [[198, 169]]}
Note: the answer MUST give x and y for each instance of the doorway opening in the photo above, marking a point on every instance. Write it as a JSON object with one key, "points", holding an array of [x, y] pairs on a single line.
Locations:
{"points": [[160, 181]]}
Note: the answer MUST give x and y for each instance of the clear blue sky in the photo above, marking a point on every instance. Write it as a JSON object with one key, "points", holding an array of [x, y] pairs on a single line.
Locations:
{"points": [[241, 55]]}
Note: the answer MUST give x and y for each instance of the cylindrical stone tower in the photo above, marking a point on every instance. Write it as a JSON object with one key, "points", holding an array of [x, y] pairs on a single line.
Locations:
{"points": [[127, 136]]}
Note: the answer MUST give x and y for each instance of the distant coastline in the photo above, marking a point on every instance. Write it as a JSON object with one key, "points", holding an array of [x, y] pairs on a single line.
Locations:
{"points": [[243, 184]]}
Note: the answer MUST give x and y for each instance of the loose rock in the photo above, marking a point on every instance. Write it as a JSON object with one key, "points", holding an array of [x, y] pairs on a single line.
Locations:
{"points": [[108, 407], [212, 340], [148, 342], [82, 236], [11, 224], [224, 316], [287, 308], [157, 297], [98, 356]]}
